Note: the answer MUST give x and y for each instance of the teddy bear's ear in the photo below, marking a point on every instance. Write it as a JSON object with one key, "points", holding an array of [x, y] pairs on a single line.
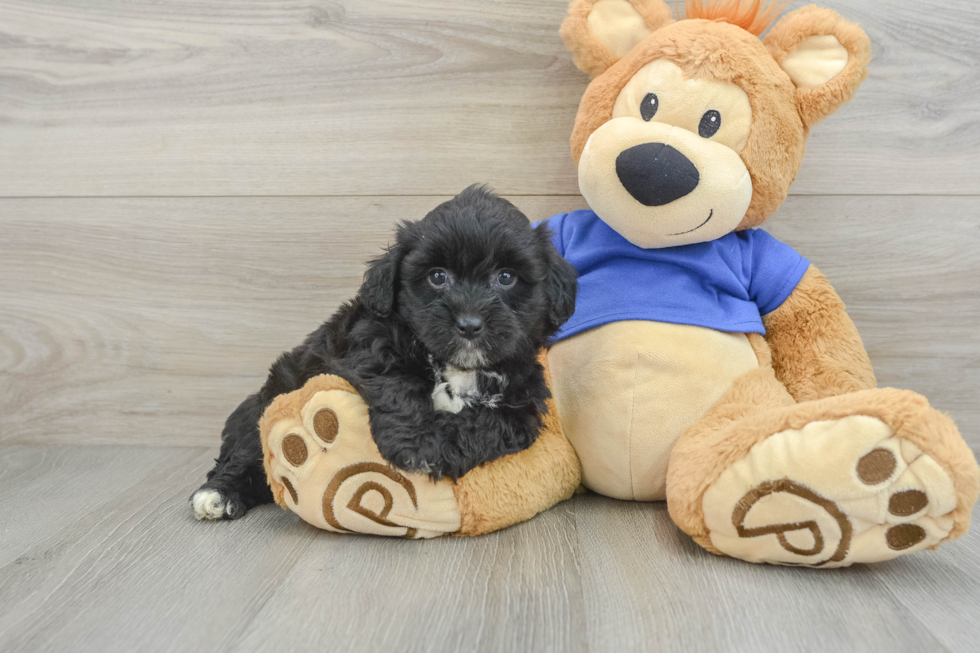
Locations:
{"points": [[600, 32], [826, 57]]}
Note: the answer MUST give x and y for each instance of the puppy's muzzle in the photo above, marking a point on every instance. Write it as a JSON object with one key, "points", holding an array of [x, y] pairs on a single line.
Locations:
{"points": [[656, 174], [469, 326]]}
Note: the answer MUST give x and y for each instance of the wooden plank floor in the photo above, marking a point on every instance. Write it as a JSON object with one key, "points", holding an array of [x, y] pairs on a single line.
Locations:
{"points": [[188, 188], [123, 566]]}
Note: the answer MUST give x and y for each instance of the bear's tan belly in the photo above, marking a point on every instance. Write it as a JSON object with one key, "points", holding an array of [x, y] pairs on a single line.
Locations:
{"points": [[627, 390]]}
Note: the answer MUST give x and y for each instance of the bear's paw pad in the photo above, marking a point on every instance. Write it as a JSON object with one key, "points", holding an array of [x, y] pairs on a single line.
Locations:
{"points": [[333, 476], [831, 494]]}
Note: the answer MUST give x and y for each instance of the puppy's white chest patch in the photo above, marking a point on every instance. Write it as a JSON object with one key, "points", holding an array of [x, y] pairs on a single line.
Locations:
{"points": [[461, 382], [457, 389]]}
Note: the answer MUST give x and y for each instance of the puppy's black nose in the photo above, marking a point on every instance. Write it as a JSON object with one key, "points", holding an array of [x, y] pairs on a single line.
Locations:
{"points": [[656, 174], [469, 326]]}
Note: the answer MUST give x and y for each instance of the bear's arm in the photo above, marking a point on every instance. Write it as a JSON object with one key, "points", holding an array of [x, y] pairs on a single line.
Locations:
{"points": [[816, 349]]}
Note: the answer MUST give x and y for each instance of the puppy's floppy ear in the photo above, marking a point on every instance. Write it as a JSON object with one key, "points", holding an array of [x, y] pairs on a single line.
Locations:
{"points": [[561, 283], [380, 285]]}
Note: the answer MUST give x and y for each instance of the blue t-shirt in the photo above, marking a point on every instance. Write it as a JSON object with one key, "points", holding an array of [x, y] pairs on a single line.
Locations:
{"points": [[727, 284]]}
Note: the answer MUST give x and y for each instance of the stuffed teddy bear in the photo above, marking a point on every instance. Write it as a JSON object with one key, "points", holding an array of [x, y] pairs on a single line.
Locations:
{"points": [[707, 363]]}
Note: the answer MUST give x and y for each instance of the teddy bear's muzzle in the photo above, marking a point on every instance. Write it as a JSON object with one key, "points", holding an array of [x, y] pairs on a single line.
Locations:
{"points": [[661, 185]]}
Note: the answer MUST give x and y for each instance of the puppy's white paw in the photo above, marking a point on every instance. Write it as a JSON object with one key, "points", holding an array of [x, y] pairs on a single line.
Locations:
{"points": [[208, 504]]}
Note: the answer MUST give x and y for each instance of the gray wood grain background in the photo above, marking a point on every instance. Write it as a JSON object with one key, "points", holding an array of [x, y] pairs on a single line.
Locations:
{"points": [[189, 187]]}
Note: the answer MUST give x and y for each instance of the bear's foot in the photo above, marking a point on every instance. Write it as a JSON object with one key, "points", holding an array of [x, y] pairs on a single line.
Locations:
{"points": [[323, 464], [837, 492]]}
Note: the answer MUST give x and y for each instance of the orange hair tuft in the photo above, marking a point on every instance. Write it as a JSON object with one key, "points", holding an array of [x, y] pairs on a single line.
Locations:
{"points": [[751, 17]]}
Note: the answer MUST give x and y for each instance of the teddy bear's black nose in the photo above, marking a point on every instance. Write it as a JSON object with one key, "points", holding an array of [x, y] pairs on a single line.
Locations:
{"points": [[656, 174]]}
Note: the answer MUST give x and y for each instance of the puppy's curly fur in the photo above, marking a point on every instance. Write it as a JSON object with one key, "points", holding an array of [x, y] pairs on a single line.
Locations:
{"points": [[441, 343]]}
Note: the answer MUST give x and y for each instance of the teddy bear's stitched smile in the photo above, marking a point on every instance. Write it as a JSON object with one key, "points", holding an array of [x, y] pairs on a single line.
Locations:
{"points": [[708, 219]]}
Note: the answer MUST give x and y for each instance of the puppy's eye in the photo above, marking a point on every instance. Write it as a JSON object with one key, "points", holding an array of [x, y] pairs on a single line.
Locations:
{"points": [[506, 279], [710, 124], [438, 277], [649, 106]]}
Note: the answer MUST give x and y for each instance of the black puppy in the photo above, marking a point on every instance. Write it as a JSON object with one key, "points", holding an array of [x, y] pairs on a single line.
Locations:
{"points": [[441, 343]]}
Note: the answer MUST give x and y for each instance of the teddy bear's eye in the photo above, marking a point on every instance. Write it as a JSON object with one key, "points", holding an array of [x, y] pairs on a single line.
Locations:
{"points": [[649, 106], [710, 124]]}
